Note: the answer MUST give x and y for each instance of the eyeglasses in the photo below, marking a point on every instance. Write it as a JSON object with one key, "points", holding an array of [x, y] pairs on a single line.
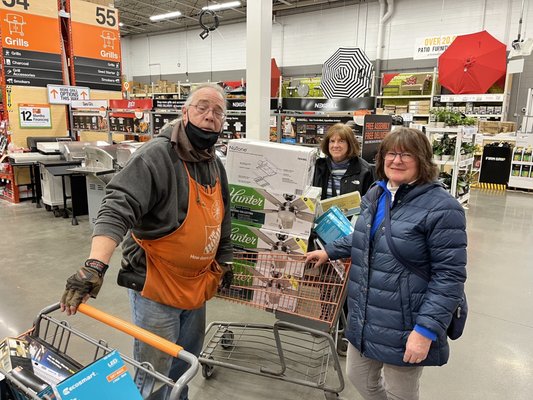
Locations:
{"points": [[405, 157], [204, 109]]}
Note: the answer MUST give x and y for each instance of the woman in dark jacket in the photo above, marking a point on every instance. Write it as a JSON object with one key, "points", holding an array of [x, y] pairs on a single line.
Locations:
{"points": [[342, 171], [397, 321]]}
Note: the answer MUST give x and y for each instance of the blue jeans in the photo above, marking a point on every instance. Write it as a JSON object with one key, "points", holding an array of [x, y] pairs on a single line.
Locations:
{"points": [[183, 327]]}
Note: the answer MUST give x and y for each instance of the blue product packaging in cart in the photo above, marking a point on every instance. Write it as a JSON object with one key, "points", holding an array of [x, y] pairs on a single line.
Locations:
{"points": [[332, 225], [105, 379]]}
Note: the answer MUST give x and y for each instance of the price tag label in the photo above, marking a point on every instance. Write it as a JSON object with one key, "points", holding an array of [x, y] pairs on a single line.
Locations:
{"points": [[35, 116]]}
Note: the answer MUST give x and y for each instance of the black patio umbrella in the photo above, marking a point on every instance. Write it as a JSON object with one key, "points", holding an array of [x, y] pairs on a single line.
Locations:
{"points": [[346, 74]]}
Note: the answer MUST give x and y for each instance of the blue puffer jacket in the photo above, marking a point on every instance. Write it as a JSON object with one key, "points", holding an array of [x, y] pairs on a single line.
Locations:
{"points": [[385, 299]]}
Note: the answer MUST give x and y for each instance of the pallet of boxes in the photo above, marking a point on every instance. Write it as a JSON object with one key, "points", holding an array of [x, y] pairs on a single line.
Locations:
{"points": [[273, 209]]}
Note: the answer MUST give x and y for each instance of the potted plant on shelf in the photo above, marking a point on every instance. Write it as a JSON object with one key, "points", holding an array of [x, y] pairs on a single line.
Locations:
{"points": [[453, 119], [469, 121], [448, 147], [441, 116], [437, 150], [467, 150], [464, 180], [446, 179]]}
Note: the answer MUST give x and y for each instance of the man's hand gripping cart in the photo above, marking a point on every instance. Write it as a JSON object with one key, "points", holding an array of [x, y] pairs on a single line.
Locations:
{"points": [[59, 335], [299, 347]]}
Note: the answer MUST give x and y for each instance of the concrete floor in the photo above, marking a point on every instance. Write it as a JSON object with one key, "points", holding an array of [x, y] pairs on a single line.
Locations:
{"points": [[493, 360]]}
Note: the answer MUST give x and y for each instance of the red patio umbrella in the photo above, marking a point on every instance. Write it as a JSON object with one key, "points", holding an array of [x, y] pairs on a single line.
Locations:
{"points": [[472, 63]]}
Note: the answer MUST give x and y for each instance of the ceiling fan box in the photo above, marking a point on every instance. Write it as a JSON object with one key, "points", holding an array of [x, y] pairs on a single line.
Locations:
{"points": [[274, 166], [246, 237], [252, 206]]}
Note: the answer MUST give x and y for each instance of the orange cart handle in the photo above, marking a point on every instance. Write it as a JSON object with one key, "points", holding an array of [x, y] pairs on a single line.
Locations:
{"points": [[128, 328]]}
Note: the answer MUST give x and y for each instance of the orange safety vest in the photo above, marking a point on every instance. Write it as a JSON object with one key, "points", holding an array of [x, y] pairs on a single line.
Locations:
{"points": [[181, 270]]}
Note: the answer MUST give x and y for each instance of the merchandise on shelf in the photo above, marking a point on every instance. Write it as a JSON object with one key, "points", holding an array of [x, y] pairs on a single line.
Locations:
{"points": [[521, 175], [453, 148]]}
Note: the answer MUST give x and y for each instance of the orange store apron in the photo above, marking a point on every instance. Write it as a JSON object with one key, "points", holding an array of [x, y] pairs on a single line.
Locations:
{"points": [[181, 270]]}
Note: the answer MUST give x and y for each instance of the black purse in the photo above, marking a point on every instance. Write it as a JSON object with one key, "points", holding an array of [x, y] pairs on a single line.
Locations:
{"points": [[457, 324]]}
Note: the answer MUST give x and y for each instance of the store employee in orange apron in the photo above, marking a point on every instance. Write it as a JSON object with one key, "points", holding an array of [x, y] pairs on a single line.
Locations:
{"points": [[170, 204]]}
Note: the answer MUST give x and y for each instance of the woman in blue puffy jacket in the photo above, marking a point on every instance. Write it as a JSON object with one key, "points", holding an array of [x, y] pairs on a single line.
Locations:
{"points": [[397, 320]]}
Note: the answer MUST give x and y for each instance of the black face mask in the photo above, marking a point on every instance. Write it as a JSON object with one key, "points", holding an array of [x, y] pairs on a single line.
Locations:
{"points": [[199, 138]]}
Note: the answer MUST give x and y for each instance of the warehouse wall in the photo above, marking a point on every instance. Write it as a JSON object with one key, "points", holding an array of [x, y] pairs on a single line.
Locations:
{"points": [[302, 42]]}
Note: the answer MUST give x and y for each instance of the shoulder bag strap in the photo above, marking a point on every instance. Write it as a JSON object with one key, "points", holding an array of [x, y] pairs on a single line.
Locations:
{"points": [[392, 247]]}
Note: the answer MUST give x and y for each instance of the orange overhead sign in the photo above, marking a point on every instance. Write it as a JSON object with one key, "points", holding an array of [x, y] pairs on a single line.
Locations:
{"points": [[104, 44], [31, 42], [95, 45], [95, 31], [44, 8], [29, 32]]}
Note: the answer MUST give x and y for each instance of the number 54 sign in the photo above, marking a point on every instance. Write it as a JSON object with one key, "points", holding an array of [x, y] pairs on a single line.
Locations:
{"points": [[34, 116]]}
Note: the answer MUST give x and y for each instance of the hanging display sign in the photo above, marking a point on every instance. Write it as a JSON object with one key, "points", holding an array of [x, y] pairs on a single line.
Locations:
{"points": [[329, 105], [375, 128], [95, 45], [240, 104], [62, 94], [34, 116], [31, 43], [169, 104], [90, 104], [89, 115], [234, 127], [432, 46], [144, 104]]}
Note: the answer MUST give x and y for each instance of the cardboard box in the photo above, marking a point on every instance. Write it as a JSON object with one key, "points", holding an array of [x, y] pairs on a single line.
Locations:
{"points": [[252, 238], [490, 127], [274, 210], [273, 166], [332, 225], [507, 126], [276, 284], [48, 364], [14, 352], [348, 203], [105, 379], [32, 382]]}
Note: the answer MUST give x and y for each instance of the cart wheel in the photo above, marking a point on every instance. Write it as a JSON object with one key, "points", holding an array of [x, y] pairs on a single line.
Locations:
{"points": [[57, 213], [207, 371], [47, 207], [227, 340], [331, 395]]}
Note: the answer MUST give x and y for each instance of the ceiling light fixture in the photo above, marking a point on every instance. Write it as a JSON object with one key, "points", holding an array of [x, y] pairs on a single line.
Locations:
{"points": [[169, 15], [222, 6]]}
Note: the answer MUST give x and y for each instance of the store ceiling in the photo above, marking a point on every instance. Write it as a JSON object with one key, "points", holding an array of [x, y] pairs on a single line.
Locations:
{"points": [[135, 14]]}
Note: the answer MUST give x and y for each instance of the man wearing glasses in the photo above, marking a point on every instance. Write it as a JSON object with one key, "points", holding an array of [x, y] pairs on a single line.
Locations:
{"points": [[171, 204]]}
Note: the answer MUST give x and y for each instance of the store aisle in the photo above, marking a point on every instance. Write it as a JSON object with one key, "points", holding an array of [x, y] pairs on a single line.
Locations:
{"points": [[493, 360]]}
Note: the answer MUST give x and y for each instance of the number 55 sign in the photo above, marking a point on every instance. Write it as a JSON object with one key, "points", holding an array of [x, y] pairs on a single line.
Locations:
{"points": [[34, 116]]}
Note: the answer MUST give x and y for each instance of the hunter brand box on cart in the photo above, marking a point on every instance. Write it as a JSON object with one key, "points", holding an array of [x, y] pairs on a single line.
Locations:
{"points": [[248, 237], [274, 210], [272, 166], [105, 379]]}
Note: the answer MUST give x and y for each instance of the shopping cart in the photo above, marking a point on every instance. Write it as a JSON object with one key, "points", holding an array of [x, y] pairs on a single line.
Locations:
{"points": [[299, 347], [65, 340]]}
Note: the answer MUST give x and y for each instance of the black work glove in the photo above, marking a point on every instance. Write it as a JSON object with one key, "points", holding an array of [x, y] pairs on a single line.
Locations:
{"points": [[87, 281], [227, 276]]}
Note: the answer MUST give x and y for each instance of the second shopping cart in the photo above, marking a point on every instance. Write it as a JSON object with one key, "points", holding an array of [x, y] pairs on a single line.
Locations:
{"points": [[299, 347]]}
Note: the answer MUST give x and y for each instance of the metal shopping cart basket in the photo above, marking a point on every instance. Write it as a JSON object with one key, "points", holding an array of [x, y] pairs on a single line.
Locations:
{"points": [[299, 347], [60, 336]]}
